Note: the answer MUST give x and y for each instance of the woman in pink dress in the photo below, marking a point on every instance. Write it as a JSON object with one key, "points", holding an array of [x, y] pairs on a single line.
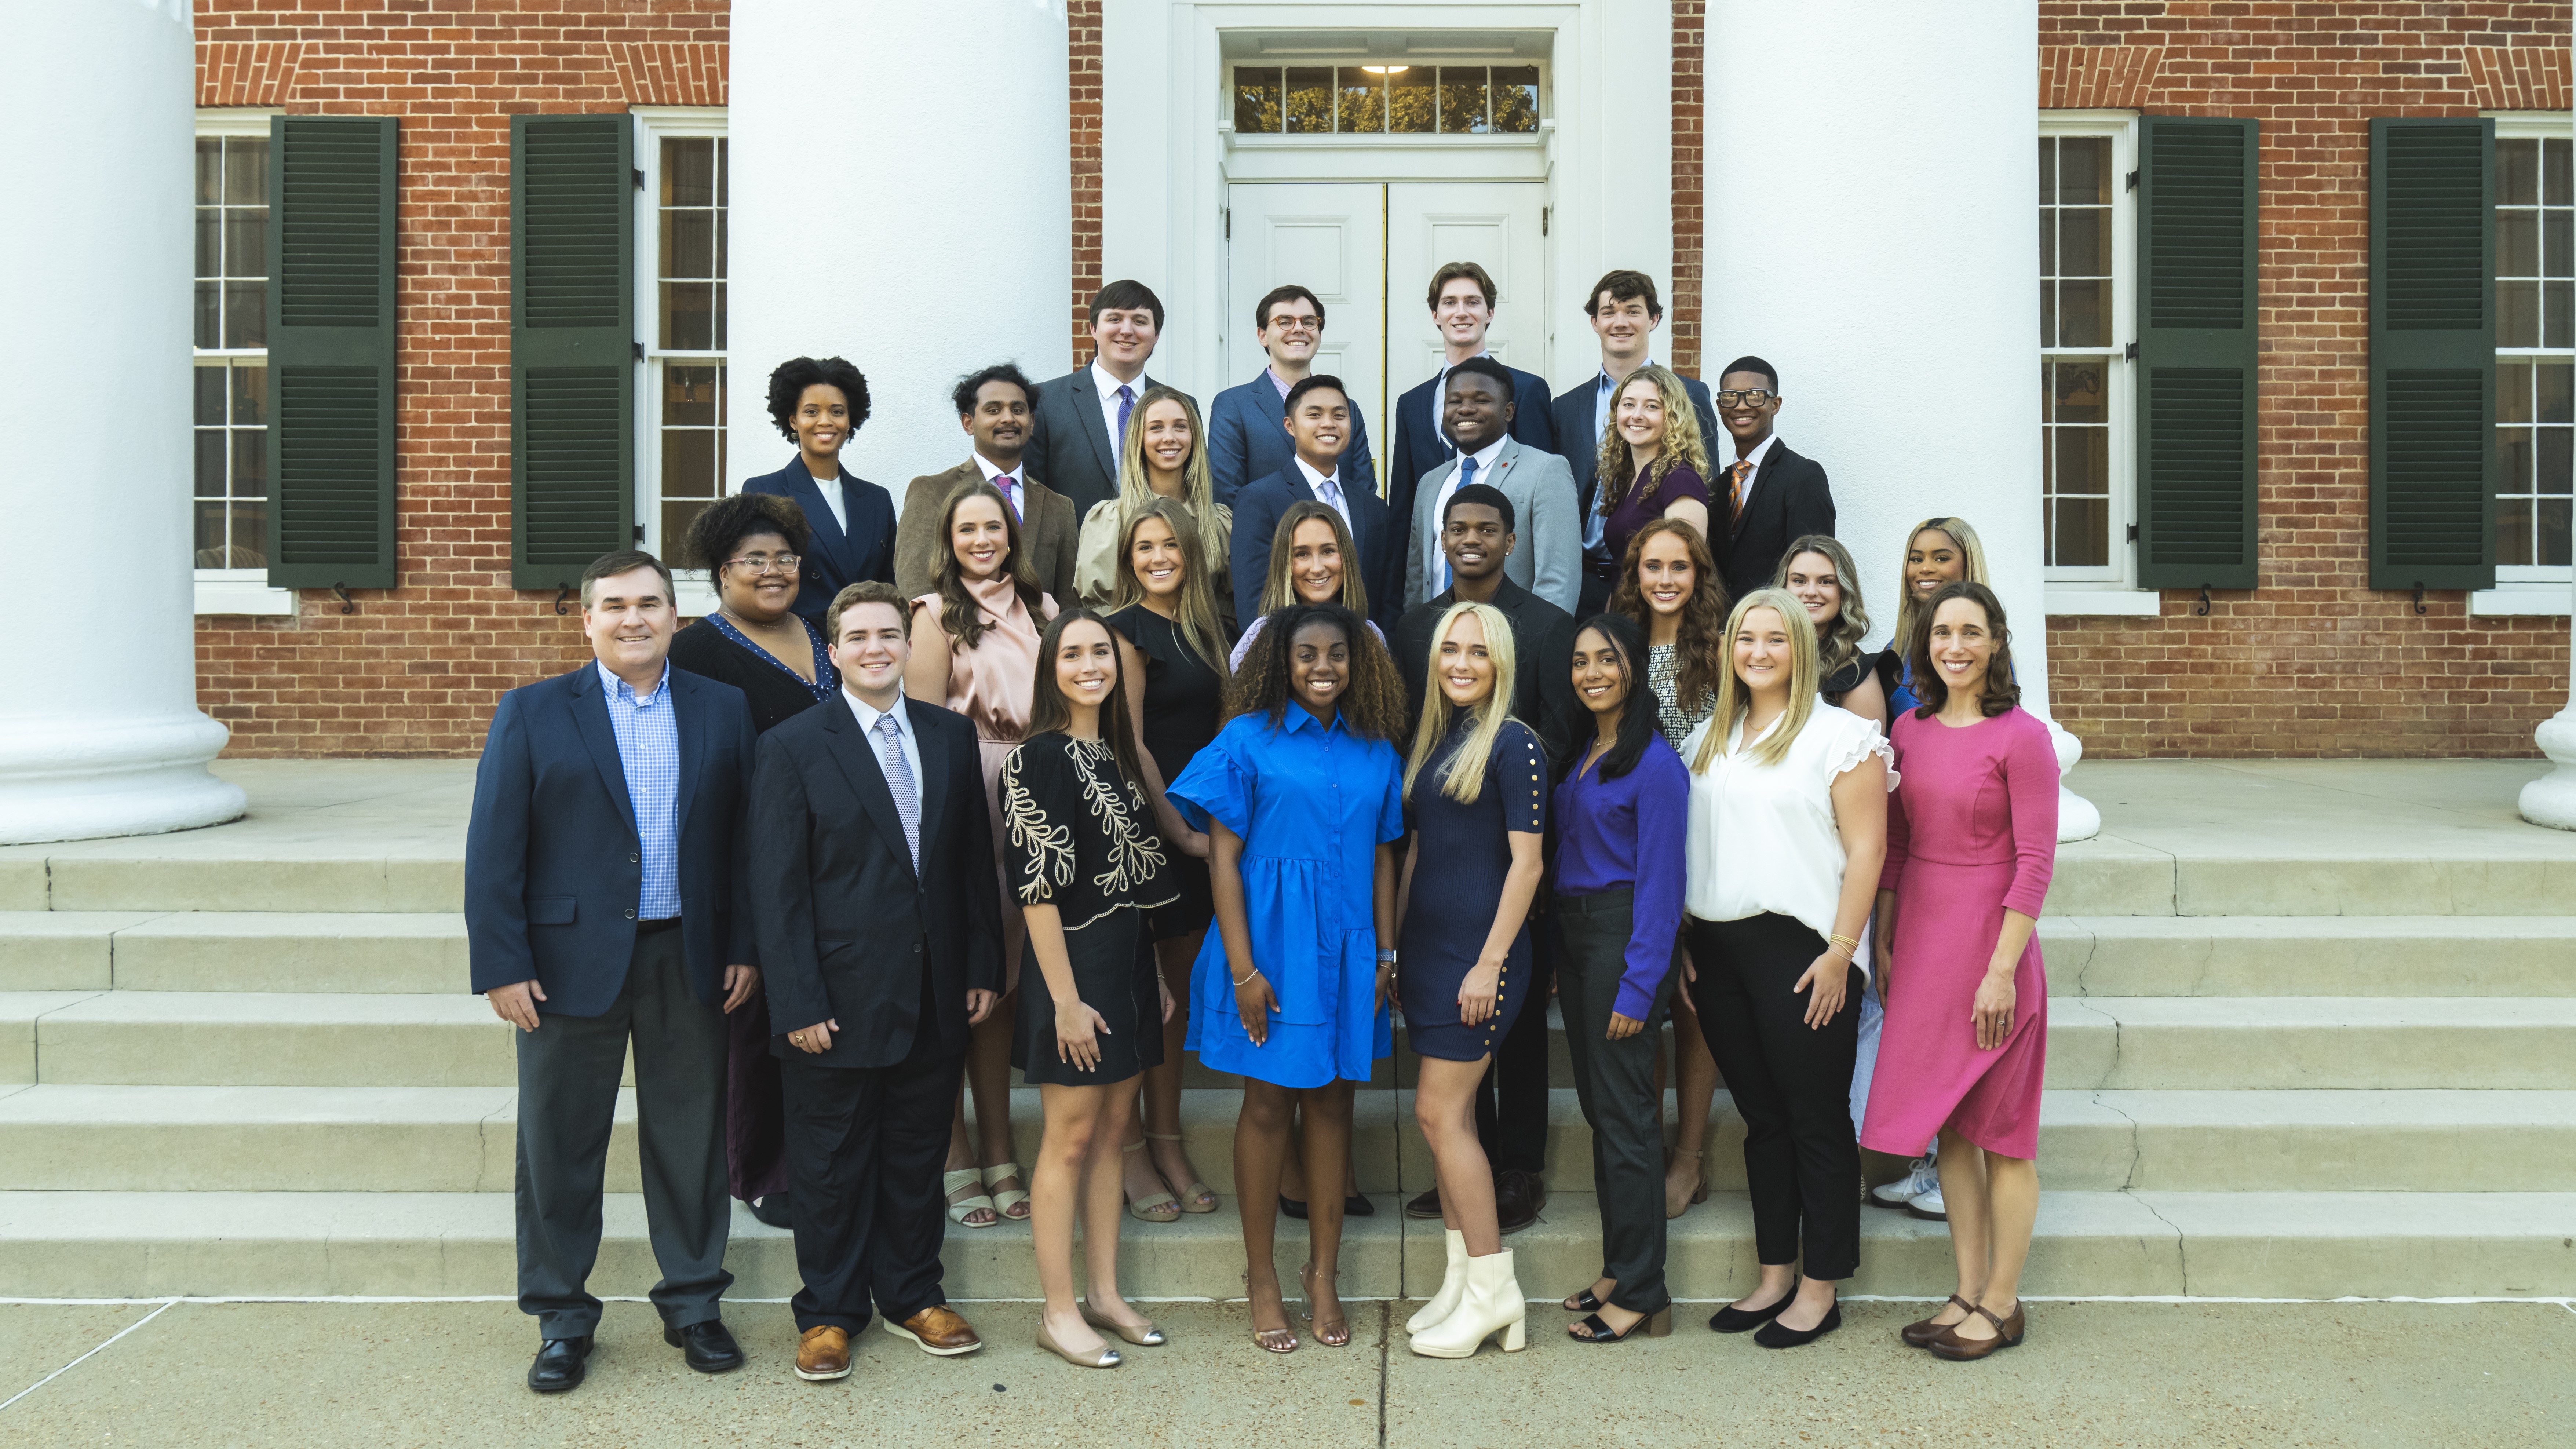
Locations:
{"points": [[1970, 843], [975, 650]]}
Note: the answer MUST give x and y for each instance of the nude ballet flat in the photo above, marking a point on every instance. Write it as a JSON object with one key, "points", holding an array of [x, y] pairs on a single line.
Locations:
{"points": [[1106, 1358]]}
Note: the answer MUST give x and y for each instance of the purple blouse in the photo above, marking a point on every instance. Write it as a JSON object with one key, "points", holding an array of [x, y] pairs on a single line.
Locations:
{"points": [[1631, 832], [1634, 513]]}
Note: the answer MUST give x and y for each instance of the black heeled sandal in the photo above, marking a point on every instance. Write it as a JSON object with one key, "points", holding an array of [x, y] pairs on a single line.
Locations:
{"points": [[1658, 1324]]}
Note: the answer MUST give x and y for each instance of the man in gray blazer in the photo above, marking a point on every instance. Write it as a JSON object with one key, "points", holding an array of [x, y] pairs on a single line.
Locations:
{"points": [[1477, 411], [1076, 433]]}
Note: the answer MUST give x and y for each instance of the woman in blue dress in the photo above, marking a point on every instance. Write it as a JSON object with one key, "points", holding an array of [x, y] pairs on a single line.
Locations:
{"points": [[1301, 796], [1475, 792]]}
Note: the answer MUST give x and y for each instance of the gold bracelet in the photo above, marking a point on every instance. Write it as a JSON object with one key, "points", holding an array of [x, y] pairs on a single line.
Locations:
{"points": [[1852, 943]]}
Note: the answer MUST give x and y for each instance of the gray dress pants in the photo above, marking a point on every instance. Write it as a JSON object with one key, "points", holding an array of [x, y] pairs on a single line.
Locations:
{"points": [[1615, 1082], [568, 1071]]}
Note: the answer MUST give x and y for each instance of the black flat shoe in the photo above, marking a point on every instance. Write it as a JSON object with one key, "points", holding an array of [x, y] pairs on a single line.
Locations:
{"points": [[1290, 1207], [1773, 1335], [773, 1211], [560, 1365], [1732, 1319], [707, 1346], [1356, 1206]]}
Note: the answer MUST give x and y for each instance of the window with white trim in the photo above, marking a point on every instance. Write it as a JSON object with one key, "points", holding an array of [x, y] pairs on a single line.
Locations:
{"points": [[2535, 268], [2088, 453], [681, 264]]}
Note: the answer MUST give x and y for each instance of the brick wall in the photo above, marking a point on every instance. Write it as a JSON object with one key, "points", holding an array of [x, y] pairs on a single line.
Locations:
{"points": [[1082, 71], [2312, 662], [1681, 309], [416, 668]]}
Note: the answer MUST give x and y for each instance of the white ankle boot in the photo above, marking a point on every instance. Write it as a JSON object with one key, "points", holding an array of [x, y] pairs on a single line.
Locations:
{"points": [[1453, 1286], [1493, 1303]]}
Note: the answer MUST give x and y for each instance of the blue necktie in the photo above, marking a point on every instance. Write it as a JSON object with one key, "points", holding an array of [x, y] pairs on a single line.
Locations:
{"points": [[1466, 478], [898, 776], [1126, 405]]}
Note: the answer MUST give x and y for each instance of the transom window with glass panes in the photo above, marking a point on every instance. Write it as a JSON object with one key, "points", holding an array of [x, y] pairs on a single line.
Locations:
{"points": [[685, 358], [2084, 467], [231, 347], [2535, 231], [1386, 99]]}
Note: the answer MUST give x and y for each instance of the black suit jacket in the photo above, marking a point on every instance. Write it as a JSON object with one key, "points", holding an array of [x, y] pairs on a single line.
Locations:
{"points": [[1257, 510], [834, 560], [1574, 409], [1790, 499], [1542, 652], [856, 928], [1420, 446], [1070, 449]]}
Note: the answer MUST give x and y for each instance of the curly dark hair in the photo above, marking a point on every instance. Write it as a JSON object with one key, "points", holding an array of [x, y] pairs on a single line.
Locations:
{"points": [[959, 614], [792, 377], [2002, 692], [721, 526], [1374, 703], [962, 396], [1702, 640]]}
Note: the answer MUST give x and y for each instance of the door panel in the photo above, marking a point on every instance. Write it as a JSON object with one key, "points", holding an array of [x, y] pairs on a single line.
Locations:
{"points": [[1493, 224], [1331, 239]]}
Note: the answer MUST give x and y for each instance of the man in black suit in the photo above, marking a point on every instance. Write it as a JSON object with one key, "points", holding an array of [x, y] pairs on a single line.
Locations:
{"points": [[872, 876], [1319, 423], [1477, 533], [605, 903], [1461, 298], [1082, 416], [1625, 313], [1767, 495]]}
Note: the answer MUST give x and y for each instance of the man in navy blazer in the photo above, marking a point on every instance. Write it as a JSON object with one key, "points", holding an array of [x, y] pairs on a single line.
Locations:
{"points": [[1462, 307], [606, 903], [1081, 417], [818, 404], [1245, 440], [1318, 419], [1625, 313]]}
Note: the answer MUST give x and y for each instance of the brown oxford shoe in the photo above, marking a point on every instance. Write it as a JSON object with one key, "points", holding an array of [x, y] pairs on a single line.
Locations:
{"points": [[823, 1354], [939, 1331]]}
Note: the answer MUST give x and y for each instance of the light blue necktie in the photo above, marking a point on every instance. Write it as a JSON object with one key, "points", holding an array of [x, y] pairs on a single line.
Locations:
{"points": [[898, 775], [1466, 478]]}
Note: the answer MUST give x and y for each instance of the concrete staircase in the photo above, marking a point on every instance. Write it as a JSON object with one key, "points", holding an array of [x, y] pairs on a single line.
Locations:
{"points": [[245, 1064]]}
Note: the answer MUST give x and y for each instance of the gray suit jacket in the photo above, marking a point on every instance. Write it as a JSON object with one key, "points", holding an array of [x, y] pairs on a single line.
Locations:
{"points": [[1547, 559]]}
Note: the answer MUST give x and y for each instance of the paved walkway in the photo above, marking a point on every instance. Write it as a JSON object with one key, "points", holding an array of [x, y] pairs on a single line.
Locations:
{"points": [[2092, 1374]]}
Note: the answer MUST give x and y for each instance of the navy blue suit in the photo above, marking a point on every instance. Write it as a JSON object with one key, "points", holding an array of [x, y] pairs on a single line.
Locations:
{"points": [[834, 560], [1574, 411], [1420, 446], [552, 863], [1248, 439], [1257, 510]]}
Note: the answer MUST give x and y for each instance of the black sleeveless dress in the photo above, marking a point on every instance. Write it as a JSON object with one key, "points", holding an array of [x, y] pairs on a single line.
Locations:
{"points": [[1184, 699]]}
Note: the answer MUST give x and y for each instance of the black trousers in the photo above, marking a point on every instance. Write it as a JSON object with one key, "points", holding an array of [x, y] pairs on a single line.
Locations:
{"points": [[1791, 1083], [1615, 1081], [865, 1146], [568, 1071], [1511, 1102]]}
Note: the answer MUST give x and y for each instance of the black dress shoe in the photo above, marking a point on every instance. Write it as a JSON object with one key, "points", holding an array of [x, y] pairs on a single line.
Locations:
{"points": [[1732, 1319], [560, 1364], [1356, 1206], [1773, 1335], [773, 1210], [707, 1346], [1291, 1207], [1425, 1206], [1518, 1196]]}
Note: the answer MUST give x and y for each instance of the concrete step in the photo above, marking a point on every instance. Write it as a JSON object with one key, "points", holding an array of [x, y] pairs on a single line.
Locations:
{"points": [[273, 1039], [2310, 955], [304, 951], [2295, 1245]]}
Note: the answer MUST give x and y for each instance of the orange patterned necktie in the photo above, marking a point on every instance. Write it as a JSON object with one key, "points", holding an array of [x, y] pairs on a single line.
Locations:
{"points": [[1735, 489]]}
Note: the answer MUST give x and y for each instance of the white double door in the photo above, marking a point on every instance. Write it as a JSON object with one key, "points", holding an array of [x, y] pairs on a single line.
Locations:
{"points": [[1367, 251]]}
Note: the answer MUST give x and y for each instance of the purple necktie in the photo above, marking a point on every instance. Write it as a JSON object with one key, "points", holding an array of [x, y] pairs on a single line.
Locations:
{"points": [[1010, 487], [1126, 405]]}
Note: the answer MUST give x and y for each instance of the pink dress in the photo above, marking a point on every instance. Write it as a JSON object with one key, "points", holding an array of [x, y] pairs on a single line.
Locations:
{"points": [[993, 685], [1971, 832]]}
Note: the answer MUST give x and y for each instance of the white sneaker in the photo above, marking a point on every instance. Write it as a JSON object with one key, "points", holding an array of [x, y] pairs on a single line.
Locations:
{"points": [[1928, 1205], [1921, 1178]]}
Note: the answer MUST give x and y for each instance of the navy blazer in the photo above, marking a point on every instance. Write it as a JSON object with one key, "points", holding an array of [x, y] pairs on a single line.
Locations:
{"points": [[855, 933], [1420, 446], [1574, 409], [1069, 447], [553, 866], [1248, 439], [835, 560], [1257, 510]]}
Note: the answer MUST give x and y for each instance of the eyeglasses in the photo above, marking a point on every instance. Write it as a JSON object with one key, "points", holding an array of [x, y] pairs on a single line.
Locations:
{"points": [[1296, 324], [1751, 397], [763, 563]]}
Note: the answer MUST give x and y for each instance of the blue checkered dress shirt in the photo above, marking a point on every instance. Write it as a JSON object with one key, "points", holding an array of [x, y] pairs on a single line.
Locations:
{"points": [[648, 749]]}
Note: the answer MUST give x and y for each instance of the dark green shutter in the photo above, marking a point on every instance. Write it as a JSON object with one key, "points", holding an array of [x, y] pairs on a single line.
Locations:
{"points": [[331, 351], [2432, 354], [2197, 359], [572, 333]]}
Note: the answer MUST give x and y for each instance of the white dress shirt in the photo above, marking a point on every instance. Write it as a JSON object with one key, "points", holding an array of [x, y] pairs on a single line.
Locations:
{"points": [[1007, 481], [1762, 838], [830, 488], [1108, 383], [1328, 489], [868, 715]]}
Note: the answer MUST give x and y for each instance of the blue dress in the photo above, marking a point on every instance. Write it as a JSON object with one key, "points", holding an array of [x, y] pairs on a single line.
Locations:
{"points": [[1458, 872], [1312, 803]]}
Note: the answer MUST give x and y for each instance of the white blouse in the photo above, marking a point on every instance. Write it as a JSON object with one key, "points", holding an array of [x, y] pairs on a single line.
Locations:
{"points": [[1762, 837]]}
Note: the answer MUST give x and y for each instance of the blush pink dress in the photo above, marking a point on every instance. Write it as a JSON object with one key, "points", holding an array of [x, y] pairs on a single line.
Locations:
{"points": [[1971, 833], [993, 685]]}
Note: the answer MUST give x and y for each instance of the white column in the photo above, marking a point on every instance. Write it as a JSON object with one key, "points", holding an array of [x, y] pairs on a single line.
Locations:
{"points": [[99, 728], [901, 198], [2551, 799], [1872, 190]]}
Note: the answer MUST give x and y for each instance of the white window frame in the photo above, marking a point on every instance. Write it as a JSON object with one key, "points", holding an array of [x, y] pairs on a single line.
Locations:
{"points": [[2528, 589], [240, 591], [695, 588], [2111, 588]]}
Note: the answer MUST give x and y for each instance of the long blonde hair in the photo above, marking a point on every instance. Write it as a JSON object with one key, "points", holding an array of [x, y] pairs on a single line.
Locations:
{"points": [[1464, 778], [1277, 592], [1198, 486], [1734, 701], [1680, 444], [1909, 610], [1839, 643], [1194, 612]]}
